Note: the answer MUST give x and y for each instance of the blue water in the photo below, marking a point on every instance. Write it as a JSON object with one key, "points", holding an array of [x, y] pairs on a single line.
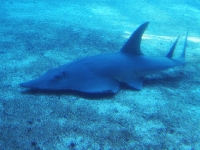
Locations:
{"points": [[39, 35]]}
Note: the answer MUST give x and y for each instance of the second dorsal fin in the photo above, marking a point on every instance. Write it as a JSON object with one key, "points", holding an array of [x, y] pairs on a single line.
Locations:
{"points": [[171, 51], [132, 46]]}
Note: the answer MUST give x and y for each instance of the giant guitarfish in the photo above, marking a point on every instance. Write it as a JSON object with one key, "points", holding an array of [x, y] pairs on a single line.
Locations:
{"points": [[103, 73]]}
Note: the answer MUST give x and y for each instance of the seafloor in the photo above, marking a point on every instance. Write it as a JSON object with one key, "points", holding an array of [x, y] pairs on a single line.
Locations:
{"points": [[39, 35]]}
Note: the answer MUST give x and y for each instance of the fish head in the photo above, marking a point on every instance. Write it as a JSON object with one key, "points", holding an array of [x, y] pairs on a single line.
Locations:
{"points": [[53, 79]]}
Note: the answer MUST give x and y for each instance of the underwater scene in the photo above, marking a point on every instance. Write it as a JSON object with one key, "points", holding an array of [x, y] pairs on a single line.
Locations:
{"points": [[99, 75]]}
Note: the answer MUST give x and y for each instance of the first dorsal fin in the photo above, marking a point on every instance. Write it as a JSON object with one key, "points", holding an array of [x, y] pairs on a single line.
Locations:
{"points": [[132, 46]]}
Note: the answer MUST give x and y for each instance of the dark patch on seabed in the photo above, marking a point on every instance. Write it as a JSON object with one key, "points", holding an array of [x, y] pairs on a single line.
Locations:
{"points": [[39, 35]]}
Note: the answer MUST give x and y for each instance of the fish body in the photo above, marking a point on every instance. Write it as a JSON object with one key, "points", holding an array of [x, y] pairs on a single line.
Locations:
{"points": [[103, 73]]}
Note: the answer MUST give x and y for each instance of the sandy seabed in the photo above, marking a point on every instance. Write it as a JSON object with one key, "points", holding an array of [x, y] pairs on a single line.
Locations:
{"points": [[39, 35]]}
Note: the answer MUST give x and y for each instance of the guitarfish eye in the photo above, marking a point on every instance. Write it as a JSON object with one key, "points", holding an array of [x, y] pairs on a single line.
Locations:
{"points": [[60, 76]]}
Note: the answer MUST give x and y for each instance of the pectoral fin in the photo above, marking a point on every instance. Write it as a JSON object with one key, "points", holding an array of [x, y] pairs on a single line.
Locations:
{"points": [[98, 85], [135, 83]]}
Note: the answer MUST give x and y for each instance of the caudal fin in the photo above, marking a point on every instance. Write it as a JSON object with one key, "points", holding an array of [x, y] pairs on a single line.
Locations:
{"points": [[184, 47]]}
